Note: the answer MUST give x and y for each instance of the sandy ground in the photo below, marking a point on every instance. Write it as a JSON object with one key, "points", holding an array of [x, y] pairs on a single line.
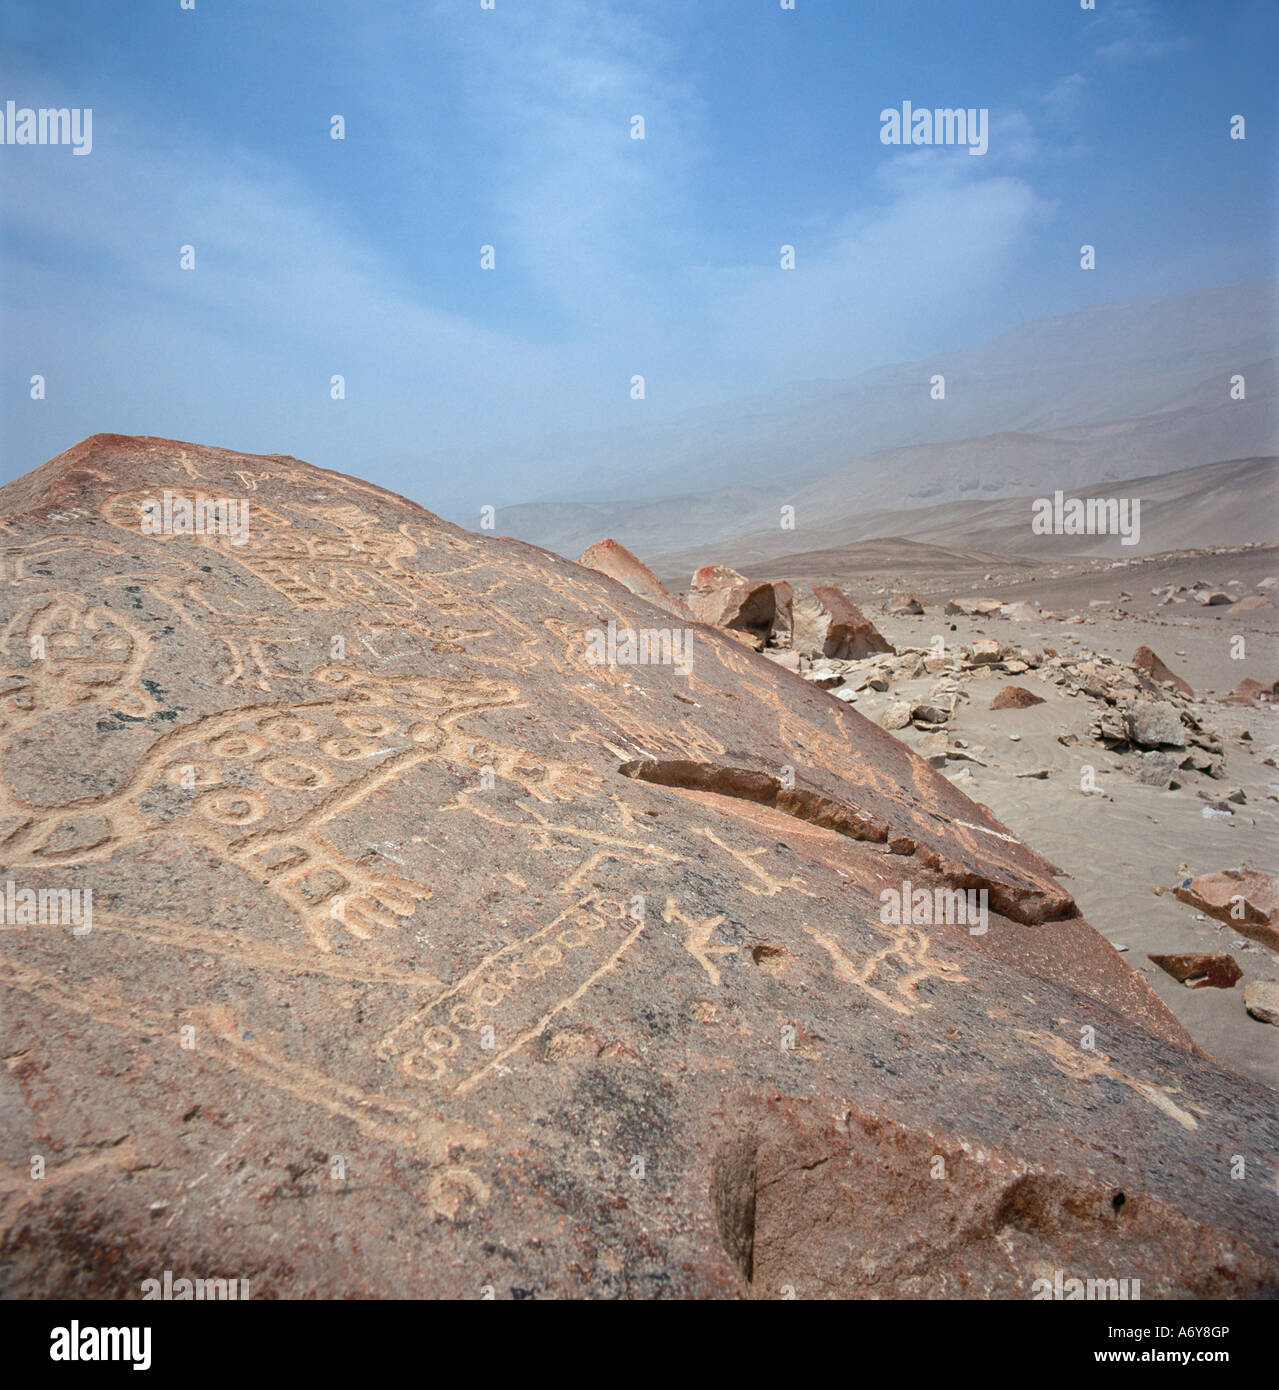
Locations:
{"points": [[1120, 843]]}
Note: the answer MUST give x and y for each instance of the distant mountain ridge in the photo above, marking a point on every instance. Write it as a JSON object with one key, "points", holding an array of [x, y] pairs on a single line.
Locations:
{"points": [[1111, 392]]}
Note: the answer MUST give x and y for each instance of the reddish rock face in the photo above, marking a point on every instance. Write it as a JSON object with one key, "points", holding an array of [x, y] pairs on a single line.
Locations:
{"points": [[1145, 660], [1015, 697], [905, 605], [430, 952], [720, 597], [618, 563], [1245, 898], [832, 624], [1202, 969]]}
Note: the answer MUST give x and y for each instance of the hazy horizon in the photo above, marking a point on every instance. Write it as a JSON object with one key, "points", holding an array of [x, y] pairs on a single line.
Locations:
{"points": [[613, 257]]}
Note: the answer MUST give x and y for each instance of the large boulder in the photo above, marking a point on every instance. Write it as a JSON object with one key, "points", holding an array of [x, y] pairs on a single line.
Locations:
{"points": [[614, 560], [720, 597], [830, 623], [447, 939]]}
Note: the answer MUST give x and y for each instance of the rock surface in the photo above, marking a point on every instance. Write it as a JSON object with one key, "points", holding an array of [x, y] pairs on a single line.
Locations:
{"points": [[429, 956]]}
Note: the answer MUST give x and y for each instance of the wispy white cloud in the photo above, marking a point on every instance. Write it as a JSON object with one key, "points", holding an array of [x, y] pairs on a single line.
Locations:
{"points": [[1138, 35], [614, 235]]}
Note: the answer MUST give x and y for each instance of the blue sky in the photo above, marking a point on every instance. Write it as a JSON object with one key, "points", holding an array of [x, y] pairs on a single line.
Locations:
{"points": [[613, 256]]}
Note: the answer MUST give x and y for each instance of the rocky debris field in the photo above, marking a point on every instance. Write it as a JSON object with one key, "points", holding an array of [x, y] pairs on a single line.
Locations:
{"points": [[1102, 723]]}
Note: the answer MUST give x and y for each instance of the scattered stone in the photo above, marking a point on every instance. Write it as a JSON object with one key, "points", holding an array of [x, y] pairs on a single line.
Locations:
{"points": [[1261, 999], [1250, 692], [974, 607], [1252, 602], [986, 652], [1155, 725], [896, 716], [905, 605], [1201, 969], [1016, 697], [1213, 598], [1145, 660], [931, 712], [1245, 899], [829, 622], [1155, 769], [787, 659]]}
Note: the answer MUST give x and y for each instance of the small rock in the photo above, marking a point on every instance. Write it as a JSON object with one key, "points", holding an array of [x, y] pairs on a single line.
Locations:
{"points": [[1261, 999], [1016, 697], [1155, 725], [896, 716], [1201, 969]]}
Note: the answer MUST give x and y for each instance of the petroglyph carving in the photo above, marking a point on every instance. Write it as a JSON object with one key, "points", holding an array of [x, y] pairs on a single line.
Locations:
{"points": [[893, 973]]}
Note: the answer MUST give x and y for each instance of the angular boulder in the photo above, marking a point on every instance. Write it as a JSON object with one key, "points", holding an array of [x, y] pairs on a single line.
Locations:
{"points": [[974, 607], [1155, 724], [1245, 899], [1201, 969], [1261, 999], [830, 623], [444, 940], [1148, 662], [614, 560], [720, 597]]}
